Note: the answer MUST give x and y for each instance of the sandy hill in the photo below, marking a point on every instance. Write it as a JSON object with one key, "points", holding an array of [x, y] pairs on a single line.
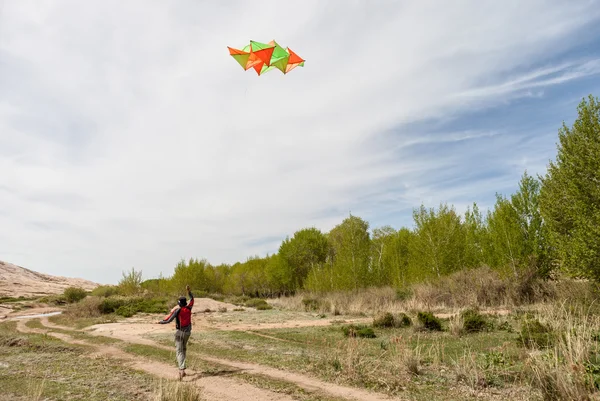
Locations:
{"points": [[17, 281]]}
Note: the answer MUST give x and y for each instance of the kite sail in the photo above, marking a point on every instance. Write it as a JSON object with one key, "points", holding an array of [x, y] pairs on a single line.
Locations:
{"points": [[264, 57]]}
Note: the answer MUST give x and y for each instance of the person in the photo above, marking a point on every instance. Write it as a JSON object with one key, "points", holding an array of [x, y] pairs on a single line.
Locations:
{"points": [[183, 324]]}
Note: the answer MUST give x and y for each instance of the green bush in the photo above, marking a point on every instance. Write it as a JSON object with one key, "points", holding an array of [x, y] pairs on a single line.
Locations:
{"points": [[429, 321], [105, 291], [54, 300], [128, 307], [473, 321], [74, 294], [126, 311], [534, 334], [259, 304], [111, 304], [358, 331], [402, 320], [385, 320]]}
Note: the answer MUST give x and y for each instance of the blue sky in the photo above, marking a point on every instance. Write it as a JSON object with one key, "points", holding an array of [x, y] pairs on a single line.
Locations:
{"points": [[130, 138]]}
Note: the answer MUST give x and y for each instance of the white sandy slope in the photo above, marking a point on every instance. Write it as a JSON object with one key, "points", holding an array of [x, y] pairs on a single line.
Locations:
{"points": [[16, 281]]}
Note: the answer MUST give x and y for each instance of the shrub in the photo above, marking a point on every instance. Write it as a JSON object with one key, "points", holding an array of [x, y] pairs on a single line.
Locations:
{"points": [[126, 311], [473, 321], [88, 307], [259, 304], [311, 304], [384, 320], [110, 305], [534, 334], [358, 331], [74, 294], [131, 283], [429, 321], [402, 320], [105, 291], [54, 299]]}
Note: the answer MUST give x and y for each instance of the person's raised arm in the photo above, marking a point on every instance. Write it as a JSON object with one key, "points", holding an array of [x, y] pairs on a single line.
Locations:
{"points": [[191, 304]]}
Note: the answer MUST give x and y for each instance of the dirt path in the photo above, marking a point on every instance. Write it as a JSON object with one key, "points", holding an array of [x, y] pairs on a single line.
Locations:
{"points": [[216, 388], [308, 383]]}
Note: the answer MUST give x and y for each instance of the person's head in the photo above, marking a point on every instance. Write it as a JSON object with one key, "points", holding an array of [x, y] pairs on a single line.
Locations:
{"points": [[182, 301]]}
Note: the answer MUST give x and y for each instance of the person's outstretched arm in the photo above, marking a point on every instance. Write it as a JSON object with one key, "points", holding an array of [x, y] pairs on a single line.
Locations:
{"points": [[191, 304], [172, 316]]}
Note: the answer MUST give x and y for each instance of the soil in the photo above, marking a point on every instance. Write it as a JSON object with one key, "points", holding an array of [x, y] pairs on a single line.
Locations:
{"points": [[136, 330]]}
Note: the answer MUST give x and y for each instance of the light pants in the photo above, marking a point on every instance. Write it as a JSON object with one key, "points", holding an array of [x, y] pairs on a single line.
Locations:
{"points": [[181, 339]]}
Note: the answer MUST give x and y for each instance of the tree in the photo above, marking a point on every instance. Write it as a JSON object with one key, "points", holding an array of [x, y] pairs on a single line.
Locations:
{"points": [[505, 246], [475, 236], [308, 248], [131, 282], [438, 246], [517, 234], [570, 193], [351, 243]]}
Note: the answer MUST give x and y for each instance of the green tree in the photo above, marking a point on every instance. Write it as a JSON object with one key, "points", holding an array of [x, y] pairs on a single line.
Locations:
{"points": [[351, 245], [308, 248], [475, 237], [505, 247], [131, 283], [438, 246], [570, 193]]}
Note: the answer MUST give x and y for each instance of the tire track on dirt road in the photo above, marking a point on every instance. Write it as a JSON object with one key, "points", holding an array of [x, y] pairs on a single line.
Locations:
{"points": [[216, 388], [308, 383]]}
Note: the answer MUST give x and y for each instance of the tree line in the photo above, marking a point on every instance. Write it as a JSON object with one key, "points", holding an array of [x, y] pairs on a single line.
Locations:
{"points": [[550, 224]]}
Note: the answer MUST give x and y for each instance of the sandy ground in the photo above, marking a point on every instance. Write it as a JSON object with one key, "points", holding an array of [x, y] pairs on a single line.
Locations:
{"points": [[16, 281], [139, 330]]}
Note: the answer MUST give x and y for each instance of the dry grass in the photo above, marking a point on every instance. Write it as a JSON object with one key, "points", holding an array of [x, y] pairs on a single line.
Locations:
{"points": [[176, 391], [571, 369], [35, 389], [482, 288], [86, 308]]}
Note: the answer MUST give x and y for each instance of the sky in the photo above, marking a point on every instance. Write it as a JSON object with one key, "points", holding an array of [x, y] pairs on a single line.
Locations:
{"points": [[130, 138]]}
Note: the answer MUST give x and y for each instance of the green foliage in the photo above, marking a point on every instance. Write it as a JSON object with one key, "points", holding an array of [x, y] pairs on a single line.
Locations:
{"points": [[131, 282], [429, 321], [402, 320], [259, 304], [438, 247], [129, 306], [570, 194], [105, 291], [74, 294], [473, 321], [353, 330], [384, 320], [307, 249], [350, 247], [387, 320]]}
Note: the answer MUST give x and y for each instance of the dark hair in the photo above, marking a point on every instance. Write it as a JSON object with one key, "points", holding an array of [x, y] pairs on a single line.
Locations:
{"points": [[182, 301]]}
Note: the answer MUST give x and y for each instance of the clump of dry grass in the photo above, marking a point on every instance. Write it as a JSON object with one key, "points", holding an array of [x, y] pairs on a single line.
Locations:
{"points": [[35, 389], [86, 308], [176, 391], [570, 370]]}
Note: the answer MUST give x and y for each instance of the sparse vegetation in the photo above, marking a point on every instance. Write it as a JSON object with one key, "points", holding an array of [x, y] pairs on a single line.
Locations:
{"points": [[74, 294], [429, 321]]}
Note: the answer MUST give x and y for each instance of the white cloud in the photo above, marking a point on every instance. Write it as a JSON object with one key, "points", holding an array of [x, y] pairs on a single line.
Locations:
{"points": [[129, 137]]}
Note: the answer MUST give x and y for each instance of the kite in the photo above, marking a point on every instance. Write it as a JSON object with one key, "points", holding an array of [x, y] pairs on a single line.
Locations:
{"points": [[264, 57]]}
